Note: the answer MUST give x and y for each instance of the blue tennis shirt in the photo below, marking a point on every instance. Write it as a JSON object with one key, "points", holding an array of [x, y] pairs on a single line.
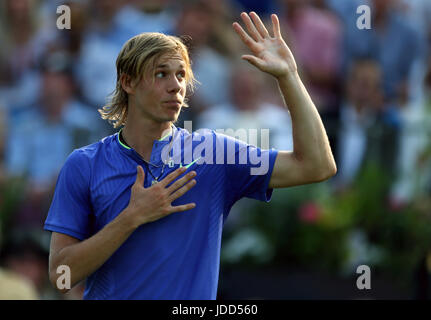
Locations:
{"points": [[178, 256]]}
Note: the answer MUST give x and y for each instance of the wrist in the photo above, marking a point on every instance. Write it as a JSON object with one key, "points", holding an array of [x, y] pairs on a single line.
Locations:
{"points": [[288, 77], [129, 218]]}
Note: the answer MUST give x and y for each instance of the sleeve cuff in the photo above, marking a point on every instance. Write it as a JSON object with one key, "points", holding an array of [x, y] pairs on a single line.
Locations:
{"points": [[69, 232]]}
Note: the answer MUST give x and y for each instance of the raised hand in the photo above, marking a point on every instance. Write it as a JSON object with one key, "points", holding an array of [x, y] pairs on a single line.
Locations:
{"points": [[155, 202], [270, 53]]}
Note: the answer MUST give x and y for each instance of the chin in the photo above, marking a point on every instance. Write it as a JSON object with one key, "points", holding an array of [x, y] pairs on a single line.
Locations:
{"points": [[172, 119], [168, 116]]}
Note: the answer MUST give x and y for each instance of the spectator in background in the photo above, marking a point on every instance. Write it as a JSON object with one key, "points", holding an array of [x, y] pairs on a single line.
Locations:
{"points": [[211, 68], [27, 260], [40, 138], [391, 41], [346, 10], [414, 178], [413, 182], [315, 36], [72, 40], [147, 16], [103, 39], [22, 43], [19, 26], [247, 109], [24, 257], [368, 128], [417, 13], [315, 33], [222, 39], [14, 286]]}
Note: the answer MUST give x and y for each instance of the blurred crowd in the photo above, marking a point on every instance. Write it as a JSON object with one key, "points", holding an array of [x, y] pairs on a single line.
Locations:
{"points": [[372, 88]]}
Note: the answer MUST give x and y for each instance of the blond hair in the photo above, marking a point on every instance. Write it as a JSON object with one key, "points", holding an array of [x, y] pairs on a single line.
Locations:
{"points": [[139, 56]]}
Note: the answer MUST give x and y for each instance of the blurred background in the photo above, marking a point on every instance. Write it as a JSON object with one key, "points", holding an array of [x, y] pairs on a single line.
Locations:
{"points": [[372, 88]]}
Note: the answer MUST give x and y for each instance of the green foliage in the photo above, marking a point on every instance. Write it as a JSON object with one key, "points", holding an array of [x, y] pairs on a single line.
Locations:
{"points": [[11, 194], [310, 226]]}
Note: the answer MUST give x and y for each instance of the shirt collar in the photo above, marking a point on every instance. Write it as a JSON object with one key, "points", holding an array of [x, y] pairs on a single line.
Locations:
{"points": [[166, 138], [157, 146]]}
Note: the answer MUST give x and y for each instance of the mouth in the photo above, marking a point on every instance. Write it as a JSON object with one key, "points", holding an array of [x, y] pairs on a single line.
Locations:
{"points": [[173, 103]]}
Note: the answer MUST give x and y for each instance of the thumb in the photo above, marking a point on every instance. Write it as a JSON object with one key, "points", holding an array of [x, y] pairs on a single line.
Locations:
{"points": [[140, 176], [257, 62]]}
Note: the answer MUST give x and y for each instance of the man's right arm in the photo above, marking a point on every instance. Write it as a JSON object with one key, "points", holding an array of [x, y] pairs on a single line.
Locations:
{"points": [[85, 257], [146, 205]]}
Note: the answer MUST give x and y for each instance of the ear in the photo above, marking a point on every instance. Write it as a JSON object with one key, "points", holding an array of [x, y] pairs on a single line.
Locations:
{"points": [[127, 83]]}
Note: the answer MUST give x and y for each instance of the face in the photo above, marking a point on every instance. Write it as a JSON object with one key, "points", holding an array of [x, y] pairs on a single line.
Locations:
{"points": [[160, 96], [196, 22], [364, 85], [56, 90], [245, 89], [18, 10]]}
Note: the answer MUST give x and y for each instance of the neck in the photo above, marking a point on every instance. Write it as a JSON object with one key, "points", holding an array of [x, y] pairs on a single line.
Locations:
{"points": [[140, 134]]}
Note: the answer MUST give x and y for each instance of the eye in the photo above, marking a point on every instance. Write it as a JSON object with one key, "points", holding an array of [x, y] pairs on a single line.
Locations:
{"points": [[160, 74], [181, 75]]}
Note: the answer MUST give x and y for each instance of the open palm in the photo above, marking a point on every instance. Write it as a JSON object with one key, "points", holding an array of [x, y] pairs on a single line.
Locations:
{"points": [[270, 54]]}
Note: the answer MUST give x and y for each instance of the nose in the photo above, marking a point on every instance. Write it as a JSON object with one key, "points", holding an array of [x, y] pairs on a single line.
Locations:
{"points": [[175, 85]]}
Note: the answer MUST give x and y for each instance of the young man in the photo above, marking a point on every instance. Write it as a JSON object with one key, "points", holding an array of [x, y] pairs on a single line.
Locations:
{"points": [[117, 215]]}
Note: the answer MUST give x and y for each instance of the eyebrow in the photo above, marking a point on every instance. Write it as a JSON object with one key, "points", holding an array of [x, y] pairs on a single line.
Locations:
{"points": [[165, 66]]}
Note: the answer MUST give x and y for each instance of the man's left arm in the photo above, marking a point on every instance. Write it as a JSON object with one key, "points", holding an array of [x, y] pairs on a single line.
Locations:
{"points": [[311, 159]]}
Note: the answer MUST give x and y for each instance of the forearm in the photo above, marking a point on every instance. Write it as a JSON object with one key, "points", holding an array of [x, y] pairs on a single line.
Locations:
{"points": [[85, 257], [310, 141]]}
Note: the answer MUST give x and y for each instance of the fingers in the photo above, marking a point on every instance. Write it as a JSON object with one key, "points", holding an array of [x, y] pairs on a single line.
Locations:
{"points": [[140, 176], [275, 26], [172, 176], [183, 207], [256, 27], [180, 192], [251, 27], [259, 25], [243, 35], [180, 182]]}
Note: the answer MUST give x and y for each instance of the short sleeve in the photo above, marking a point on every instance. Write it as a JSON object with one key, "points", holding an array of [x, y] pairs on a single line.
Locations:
{"points": [[70, 208], [248, 169]]}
